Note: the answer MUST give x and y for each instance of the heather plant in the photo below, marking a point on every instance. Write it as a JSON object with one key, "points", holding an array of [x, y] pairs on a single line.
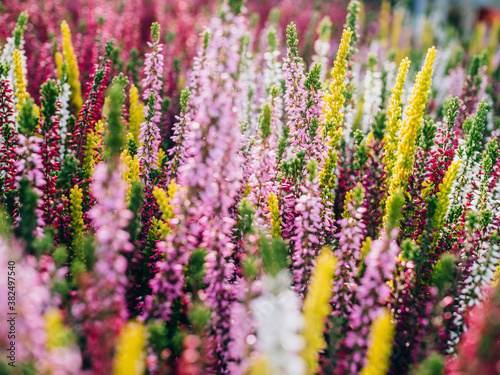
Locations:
{"points": [[221, 188]]}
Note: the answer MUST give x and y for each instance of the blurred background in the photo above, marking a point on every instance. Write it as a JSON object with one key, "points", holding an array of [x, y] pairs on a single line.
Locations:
{"points": [[401, 25]]}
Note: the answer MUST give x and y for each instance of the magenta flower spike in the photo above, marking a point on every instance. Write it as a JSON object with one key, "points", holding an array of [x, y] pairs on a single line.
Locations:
{"points": [[371, 294], [152, 84], [102, 308]]}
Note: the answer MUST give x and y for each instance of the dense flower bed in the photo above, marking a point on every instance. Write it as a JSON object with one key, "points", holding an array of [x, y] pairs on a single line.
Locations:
{"points": [[182, 193]]}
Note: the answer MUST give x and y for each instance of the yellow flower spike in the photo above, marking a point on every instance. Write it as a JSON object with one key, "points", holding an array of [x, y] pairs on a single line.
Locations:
{"points": [[58, 335], [369, 139], [129, 136], [136, 111], [154, 229], [20, 85], [126, 160], [135, 169], [105, 107], [36, 112], [131, 172], [410, 130], [335, 101], [59, 64], [275, 216], [77, 225], [348, 198], [427, 187], [94, 141], [333, 112], [317, 308], [247, 190], [163, 199], [161, 155], [380, 348], [172, 189], [130, 357], [442, 195], [73, 71], [359, 115], [496, 277], [365, 247], [393, 119]]}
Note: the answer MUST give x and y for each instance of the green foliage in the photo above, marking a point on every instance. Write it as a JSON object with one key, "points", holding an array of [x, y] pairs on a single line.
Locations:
{"points": [[283, 144], [133, 66], [132, 147], [108, 50], [474, 64], [185, 97], [311, 169], [115, 138], [272, 39], [475, 131], [135, 206], [45, 244], [295, 167], [372, 62], [378, 125], [432, 365], [490, 156], [325, 28], [28, 204], [206, 40], [410, 249], [196, 270], [292, 39], [4, 69], [199, 316], [426, 140], [235, 6], [265, 120], [5, 224], [444, 272], [155, 32], [312, 82], [313, 127], [361, 154], [472, 219], [121, 81], [157, 336], [28, 121], [245, 222], [395, 211], [67, 173], [83, 256], [49, 93], [274, 15], [452, 112], [274, 255], [22, 20], [151, 107], [60, 256], [456, 59]]}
